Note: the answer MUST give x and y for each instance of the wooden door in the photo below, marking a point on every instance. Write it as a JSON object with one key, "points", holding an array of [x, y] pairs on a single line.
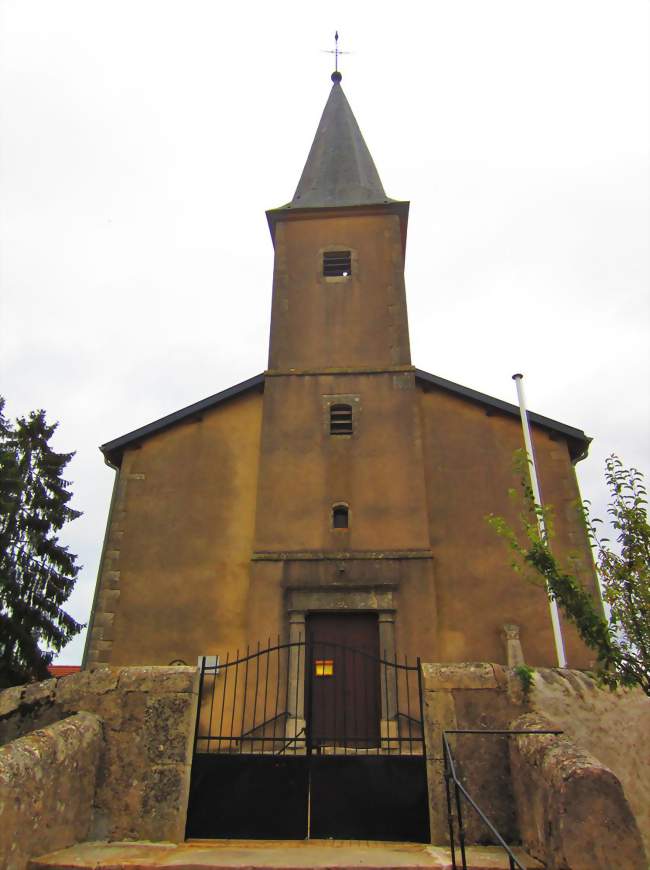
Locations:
{"points": [[343, 687]]}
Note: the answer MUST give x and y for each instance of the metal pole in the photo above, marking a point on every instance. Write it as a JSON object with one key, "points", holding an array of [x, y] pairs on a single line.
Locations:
{"points": [[555, 615]]}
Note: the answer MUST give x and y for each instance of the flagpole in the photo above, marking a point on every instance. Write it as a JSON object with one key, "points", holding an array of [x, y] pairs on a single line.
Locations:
{"points": [[541, 524]]}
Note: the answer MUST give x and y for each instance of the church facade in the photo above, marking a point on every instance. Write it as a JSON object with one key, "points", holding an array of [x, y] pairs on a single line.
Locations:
{"points": [[341, 481]]}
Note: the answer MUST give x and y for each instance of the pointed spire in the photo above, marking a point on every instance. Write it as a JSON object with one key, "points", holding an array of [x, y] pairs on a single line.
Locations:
{"points": [[339, 170]]}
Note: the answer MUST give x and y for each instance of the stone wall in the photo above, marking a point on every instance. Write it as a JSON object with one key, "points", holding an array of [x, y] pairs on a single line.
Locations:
{"points": [[572, 810], [613, 726], [143, 768], [606, 730], [47, 785], [471, 695]]}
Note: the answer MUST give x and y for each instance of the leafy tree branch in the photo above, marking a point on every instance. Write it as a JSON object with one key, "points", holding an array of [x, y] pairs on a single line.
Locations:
{"points": [[622, 643]]}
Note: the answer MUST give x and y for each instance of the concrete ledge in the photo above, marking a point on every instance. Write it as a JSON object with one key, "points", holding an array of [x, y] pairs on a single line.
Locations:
{"points": [[337, 556], [157, 679], [354, 370], [467, 675], [275, 855]]}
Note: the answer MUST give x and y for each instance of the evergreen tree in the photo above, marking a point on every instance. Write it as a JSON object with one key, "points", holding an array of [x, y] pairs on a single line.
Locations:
{"points": [[37, 573]]}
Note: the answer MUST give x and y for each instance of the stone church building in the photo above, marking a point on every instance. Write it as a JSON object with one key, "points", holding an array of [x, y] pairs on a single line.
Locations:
{"points": [[342, 480], [316, 538]]}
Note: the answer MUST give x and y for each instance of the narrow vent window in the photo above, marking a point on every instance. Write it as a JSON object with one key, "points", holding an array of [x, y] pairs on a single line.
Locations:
{"points": [[340, 516], [337, 264], [340, 419]]}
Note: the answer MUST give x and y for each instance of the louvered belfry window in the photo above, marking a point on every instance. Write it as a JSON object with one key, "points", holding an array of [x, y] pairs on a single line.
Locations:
{"points": [[340, 419], [337, 264]]}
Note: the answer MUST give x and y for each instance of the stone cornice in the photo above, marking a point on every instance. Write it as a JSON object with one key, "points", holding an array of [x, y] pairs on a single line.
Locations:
{"points": [[330, 555], [354, 370]]}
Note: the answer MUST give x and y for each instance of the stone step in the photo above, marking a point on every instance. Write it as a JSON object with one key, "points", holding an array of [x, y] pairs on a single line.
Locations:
{"points": [[272, 855]]}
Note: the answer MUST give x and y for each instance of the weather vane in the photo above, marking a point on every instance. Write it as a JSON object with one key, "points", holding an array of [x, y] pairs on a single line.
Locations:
{"points": [[336, 52]]}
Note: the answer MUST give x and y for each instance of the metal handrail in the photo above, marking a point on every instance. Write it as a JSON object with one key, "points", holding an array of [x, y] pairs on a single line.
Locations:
{"points": [[297, 739], [459, 789]]}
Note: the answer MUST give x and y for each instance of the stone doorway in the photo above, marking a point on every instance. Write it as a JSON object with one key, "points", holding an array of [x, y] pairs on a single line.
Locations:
{"points": [[343, 702], [375, 602]]}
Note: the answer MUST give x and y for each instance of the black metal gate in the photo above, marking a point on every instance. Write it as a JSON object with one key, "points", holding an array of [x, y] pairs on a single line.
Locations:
{"points": [[260, 772]]}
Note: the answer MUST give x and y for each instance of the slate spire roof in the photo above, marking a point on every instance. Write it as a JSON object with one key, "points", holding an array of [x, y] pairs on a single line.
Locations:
{"points": [[339, 170]]}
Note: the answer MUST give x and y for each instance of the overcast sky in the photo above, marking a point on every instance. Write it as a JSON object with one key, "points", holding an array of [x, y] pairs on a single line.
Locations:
{"points": [[142, 141]]}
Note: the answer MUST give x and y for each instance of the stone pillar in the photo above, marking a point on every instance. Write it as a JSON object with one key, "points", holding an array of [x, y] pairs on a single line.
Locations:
{"points": [[296, 682], [514, 652], [388, 677]]}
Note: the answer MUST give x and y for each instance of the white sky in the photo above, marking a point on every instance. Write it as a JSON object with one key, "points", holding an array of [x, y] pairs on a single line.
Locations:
{"points": [[141, 142]]}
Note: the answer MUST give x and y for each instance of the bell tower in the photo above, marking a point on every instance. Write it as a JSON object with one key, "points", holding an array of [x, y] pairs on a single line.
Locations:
{"points": [[341, 518], [338, 292]]}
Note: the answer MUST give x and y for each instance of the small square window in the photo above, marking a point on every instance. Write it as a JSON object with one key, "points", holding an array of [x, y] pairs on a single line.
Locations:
{"points": [[337, 264], [324, 668]]}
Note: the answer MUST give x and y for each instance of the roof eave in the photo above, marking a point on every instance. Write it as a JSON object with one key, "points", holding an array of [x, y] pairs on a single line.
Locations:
{"points": [[578, 443], [114, 450]]}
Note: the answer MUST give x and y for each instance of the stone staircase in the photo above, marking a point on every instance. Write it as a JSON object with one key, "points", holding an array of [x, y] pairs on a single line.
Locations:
{"points": [[272, 855]]}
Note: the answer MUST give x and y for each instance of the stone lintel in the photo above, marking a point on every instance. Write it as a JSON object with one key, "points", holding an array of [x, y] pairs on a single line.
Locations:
{"points": [[306, 600], [343, 574]]}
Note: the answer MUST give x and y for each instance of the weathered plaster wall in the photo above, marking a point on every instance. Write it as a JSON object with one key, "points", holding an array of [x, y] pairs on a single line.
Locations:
{"points": [[613, 726], [377, 471], [353, 322], [47, 785], [143, 769], [174, 581], [572, 810], [468, 453], [342, 339]]}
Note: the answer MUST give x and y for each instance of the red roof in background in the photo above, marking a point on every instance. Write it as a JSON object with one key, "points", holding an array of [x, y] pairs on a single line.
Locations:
{"points": [[63, 670]]}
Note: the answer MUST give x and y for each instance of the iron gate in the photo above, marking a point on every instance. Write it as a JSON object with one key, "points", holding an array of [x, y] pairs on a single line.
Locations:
{"points": [[262, 771]]}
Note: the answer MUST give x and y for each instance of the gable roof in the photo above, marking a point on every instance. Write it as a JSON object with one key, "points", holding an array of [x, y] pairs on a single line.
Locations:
{"points": [[114, 449], [577, 441]]}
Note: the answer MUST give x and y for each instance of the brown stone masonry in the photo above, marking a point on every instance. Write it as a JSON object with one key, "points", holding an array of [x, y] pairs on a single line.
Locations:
{"points": [[47, 784], [573, 813], [576, 800], [135, 787], [100, 642]]}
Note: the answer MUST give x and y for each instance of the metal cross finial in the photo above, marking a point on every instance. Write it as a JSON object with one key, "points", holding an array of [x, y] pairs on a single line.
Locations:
{"points": [[336, 76]]}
